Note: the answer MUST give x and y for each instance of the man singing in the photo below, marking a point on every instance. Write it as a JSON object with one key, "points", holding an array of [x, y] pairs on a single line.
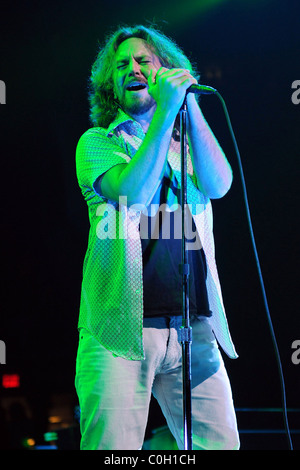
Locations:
{"points": [[128, 168]]}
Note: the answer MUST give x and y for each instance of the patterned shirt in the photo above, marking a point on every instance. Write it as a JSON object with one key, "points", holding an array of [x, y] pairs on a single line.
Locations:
{"points": [[111, 306]]}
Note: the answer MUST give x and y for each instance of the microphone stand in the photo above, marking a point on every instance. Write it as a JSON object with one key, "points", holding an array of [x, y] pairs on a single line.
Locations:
{"points": [[185, 334], [186, 330]]}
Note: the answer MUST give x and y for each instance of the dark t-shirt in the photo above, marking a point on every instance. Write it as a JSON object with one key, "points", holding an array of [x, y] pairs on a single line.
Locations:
{"points": [[161, 247]]}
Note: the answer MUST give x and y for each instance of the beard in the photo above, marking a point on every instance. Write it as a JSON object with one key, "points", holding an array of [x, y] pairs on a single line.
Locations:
{"points": [[137, 105]]}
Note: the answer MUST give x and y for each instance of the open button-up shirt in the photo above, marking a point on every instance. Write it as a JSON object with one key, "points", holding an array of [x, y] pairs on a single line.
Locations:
{"points": [[111, 306]]}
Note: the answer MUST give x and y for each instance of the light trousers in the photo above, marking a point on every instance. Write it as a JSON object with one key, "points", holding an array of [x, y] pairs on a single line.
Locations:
{"points": [[114, 393]]}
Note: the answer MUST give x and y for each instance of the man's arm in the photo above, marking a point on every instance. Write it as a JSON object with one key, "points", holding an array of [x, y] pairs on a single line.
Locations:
{"points": [[213, 172], [139, 179]]}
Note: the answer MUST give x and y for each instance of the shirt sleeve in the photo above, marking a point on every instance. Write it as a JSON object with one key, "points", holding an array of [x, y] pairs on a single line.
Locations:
{"points": [[96, 153]]}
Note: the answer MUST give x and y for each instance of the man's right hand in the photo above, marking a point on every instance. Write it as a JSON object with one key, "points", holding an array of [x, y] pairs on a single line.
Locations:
{"points": [[168, 89]]}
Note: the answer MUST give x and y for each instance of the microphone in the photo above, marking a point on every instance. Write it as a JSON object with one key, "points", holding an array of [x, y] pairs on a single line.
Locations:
{"points": [[201, 90]]}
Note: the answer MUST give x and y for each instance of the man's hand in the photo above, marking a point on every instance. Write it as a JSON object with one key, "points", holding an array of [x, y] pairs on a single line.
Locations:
{"points": [[168, 88]]}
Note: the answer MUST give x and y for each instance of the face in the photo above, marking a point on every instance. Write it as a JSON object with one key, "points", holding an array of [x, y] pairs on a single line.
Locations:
{"points": [[132, 65]]}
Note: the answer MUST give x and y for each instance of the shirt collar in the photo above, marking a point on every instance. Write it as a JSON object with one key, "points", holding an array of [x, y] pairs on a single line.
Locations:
{"points": [[121, 118]]}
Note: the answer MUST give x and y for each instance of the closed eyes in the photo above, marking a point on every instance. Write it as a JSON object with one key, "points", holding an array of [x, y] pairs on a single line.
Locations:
{"points": [[123, 64]]}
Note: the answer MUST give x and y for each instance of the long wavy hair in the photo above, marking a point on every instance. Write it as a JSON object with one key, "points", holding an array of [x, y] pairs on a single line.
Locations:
{"points": [[103, 105]]}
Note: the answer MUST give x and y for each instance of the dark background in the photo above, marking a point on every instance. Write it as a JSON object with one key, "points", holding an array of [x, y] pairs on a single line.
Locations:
{"points": [[249, 51]]}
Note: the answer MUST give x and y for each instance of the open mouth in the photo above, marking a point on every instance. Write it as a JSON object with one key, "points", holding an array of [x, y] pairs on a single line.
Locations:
{"points": [[136, 86]]}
